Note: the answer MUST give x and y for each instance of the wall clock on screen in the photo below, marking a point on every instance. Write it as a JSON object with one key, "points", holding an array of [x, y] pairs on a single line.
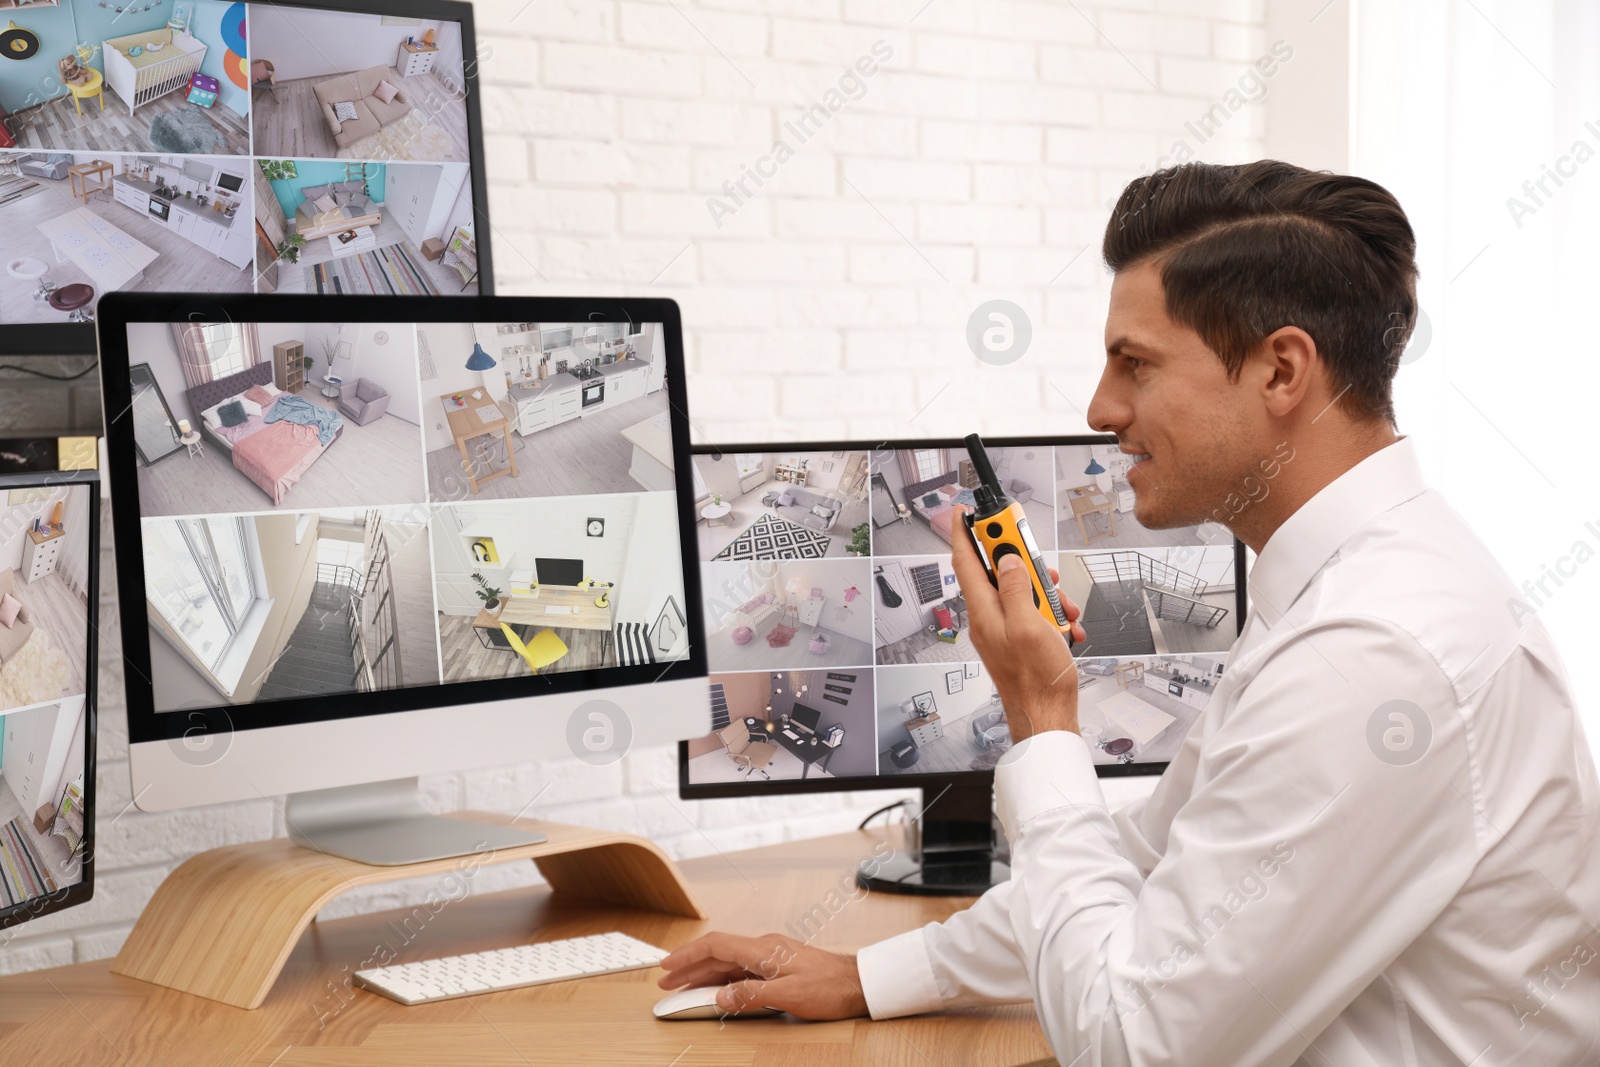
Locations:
{"points": [[18, 43]]}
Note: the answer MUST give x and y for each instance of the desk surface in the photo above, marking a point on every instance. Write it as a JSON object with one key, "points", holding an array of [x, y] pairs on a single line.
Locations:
{"points": [[85, 1014], [465, 423], [526, 610]]}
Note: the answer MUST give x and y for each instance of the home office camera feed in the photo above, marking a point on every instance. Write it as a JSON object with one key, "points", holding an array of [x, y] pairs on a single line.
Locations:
{"points": [[334, 508], [209, 147], [45, 586], [838, 635]]}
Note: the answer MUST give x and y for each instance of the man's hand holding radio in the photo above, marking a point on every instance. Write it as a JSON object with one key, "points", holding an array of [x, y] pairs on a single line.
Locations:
{"points": [[1032, 668]]}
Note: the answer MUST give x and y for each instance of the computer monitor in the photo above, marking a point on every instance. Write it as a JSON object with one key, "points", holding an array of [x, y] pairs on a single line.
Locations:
{"points": [[559, 571], [49, 583], [338, 571], [806, 717], [830, 603], [327, 147]]}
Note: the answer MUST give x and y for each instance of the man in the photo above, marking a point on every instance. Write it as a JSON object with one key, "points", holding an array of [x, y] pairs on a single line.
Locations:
{"points": [[1380, 842]]}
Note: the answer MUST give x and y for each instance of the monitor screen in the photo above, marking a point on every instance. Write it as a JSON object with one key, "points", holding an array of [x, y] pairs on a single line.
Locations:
{"points": [[220, 147], [49, 526], [371, 508], [558, 571], [807, 717], [830, 601]]}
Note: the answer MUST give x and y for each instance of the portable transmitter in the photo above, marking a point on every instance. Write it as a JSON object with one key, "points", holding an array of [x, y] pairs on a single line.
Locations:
{"points": [[999, 528]]}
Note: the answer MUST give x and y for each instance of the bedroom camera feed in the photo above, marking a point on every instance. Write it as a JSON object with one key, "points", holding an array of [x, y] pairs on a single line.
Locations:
{"points": [[42, 753], [301, 538], [204, 146], [797, 638], [45, 595]]}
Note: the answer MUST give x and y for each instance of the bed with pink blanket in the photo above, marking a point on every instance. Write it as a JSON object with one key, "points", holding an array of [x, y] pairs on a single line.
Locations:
{"points": [[944, 515], [273, 454]]}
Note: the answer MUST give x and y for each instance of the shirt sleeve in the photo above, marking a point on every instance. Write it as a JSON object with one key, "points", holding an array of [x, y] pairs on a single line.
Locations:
{"points": [[970, 958], [1331, 822]]}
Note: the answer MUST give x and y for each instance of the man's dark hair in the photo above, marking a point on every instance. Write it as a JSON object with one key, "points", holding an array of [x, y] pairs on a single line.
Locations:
{"points": [[1247, 249]]}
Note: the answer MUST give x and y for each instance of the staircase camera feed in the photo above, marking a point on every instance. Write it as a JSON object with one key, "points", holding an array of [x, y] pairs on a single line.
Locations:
{"points": [[333, 508], [44, 623], [838, 635], [209, 147]]}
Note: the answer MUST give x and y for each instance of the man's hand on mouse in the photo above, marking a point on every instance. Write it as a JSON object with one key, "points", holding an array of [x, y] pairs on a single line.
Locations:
{"points": [[1028, 659], [772, 970]]}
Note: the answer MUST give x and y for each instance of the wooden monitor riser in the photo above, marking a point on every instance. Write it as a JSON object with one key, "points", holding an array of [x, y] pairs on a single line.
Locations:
{"points": [[223, 923]]}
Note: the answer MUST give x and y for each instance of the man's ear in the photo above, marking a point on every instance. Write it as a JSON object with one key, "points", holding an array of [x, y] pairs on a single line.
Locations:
{"points": [[1284, 367]]}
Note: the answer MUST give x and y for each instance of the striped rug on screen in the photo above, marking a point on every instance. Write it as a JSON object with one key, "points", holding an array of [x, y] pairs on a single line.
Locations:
{"points": [[389, 271], [633, 644], [23, 875]]}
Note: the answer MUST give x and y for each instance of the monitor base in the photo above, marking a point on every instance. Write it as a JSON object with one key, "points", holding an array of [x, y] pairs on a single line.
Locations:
{"points": [[903, 874], [951, 844], [384, 824], [223, 924]]}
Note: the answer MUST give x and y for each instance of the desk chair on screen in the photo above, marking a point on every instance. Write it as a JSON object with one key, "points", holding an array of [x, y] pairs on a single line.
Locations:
{"points": [[544, 649], [749, 753]]}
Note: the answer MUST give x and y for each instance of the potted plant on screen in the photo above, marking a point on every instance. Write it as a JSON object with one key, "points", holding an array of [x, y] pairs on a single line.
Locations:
{"points": [[486, 592], [289, 247], [858, 541]]}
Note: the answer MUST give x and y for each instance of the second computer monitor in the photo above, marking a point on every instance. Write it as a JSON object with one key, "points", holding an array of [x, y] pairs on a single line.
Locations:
{"points": [[831, 604]]}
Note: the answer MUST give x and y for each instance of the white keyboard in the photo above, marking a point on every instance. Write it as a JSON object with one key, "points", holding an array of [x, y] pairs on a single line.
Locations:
{"points": [[557, 609], [791, 735], [510, 968]]}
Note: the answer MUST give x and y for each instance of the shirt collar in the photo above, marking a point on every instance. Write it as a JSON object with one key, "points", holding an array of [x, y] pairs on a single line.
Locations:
{"points": [[1305, 541]]}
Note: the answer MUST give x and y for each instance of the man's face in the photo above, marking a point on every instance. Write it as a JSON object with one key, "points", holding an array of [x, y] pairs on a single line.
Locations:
{"points": [[1164, 393]]}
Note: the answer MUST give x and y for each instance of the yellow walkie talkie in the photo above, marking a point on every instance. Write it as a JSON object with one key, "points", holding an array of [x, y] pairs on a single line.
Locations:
{"points": [[999, 528]]}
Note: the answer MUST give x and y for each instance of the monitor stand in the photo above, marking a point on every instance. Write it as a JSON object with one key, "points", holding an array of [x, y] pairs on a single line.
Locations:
{"points": [[957, 854], [384, 824], [222, 925]]}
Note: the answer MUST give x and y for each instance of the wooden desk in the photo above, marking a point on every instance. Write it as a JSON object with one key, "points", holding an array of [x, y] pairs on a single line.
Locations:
{"points": [[78, 175], [802, 750], [529, 611], [85, 1014], [1126, 672], [465, 425], [1091, 501]]}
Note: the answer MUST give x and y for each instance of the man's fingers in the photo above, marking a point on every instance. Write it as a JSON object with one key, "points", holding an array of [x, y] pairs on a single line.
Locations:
{"points": [[706, 972], [754, 954], [1016, 587], [1074, 612], [753, 993]]}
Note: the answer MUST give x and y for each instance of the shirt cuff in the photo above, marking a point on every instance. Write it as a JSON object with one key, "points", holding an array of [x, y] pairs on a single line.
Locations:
{"points": [[1044, 772], [897, 978]]}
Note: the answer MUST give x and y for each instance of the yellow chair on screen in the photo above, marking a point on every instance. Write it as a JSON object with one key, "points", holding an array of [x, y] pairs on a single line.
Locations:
{"points": [[544, 649]]}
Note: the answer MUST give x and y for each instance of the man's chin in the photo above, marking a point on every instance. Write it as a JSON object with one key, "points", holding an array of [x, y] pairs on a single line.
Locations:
{"points": [[1152, 517]]}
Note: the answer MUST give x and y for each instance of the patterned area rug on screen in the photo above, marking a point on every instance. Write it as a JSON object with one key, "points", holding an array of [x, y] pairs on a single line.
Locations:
{"points": [[23, 875], [393, 270], [770, 537], [14, 187]]}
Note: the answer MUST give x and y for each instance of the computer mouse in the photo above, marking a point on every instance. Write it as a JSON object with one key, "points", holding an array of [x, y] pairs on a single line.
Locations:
{"points": [[701, 1003]]}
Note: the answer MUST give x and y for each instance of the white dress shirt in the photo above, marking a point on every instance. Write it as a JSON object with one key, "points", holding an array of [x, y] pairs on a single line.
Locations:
{"points": [[1378, 845]]}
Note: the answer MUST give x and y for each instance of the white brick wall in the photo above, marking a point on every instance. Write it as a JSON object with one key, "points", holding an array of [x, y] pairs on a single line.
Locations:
{"points": [[977, 164]]}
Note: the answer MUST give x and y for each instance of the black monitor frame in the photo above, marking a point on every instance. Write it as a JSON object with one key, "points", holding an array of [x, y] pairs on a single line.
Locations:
{"points": [[956, 855], [78, 339], [811, 720], [544, 578], [145, 723], [73, 895]]}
